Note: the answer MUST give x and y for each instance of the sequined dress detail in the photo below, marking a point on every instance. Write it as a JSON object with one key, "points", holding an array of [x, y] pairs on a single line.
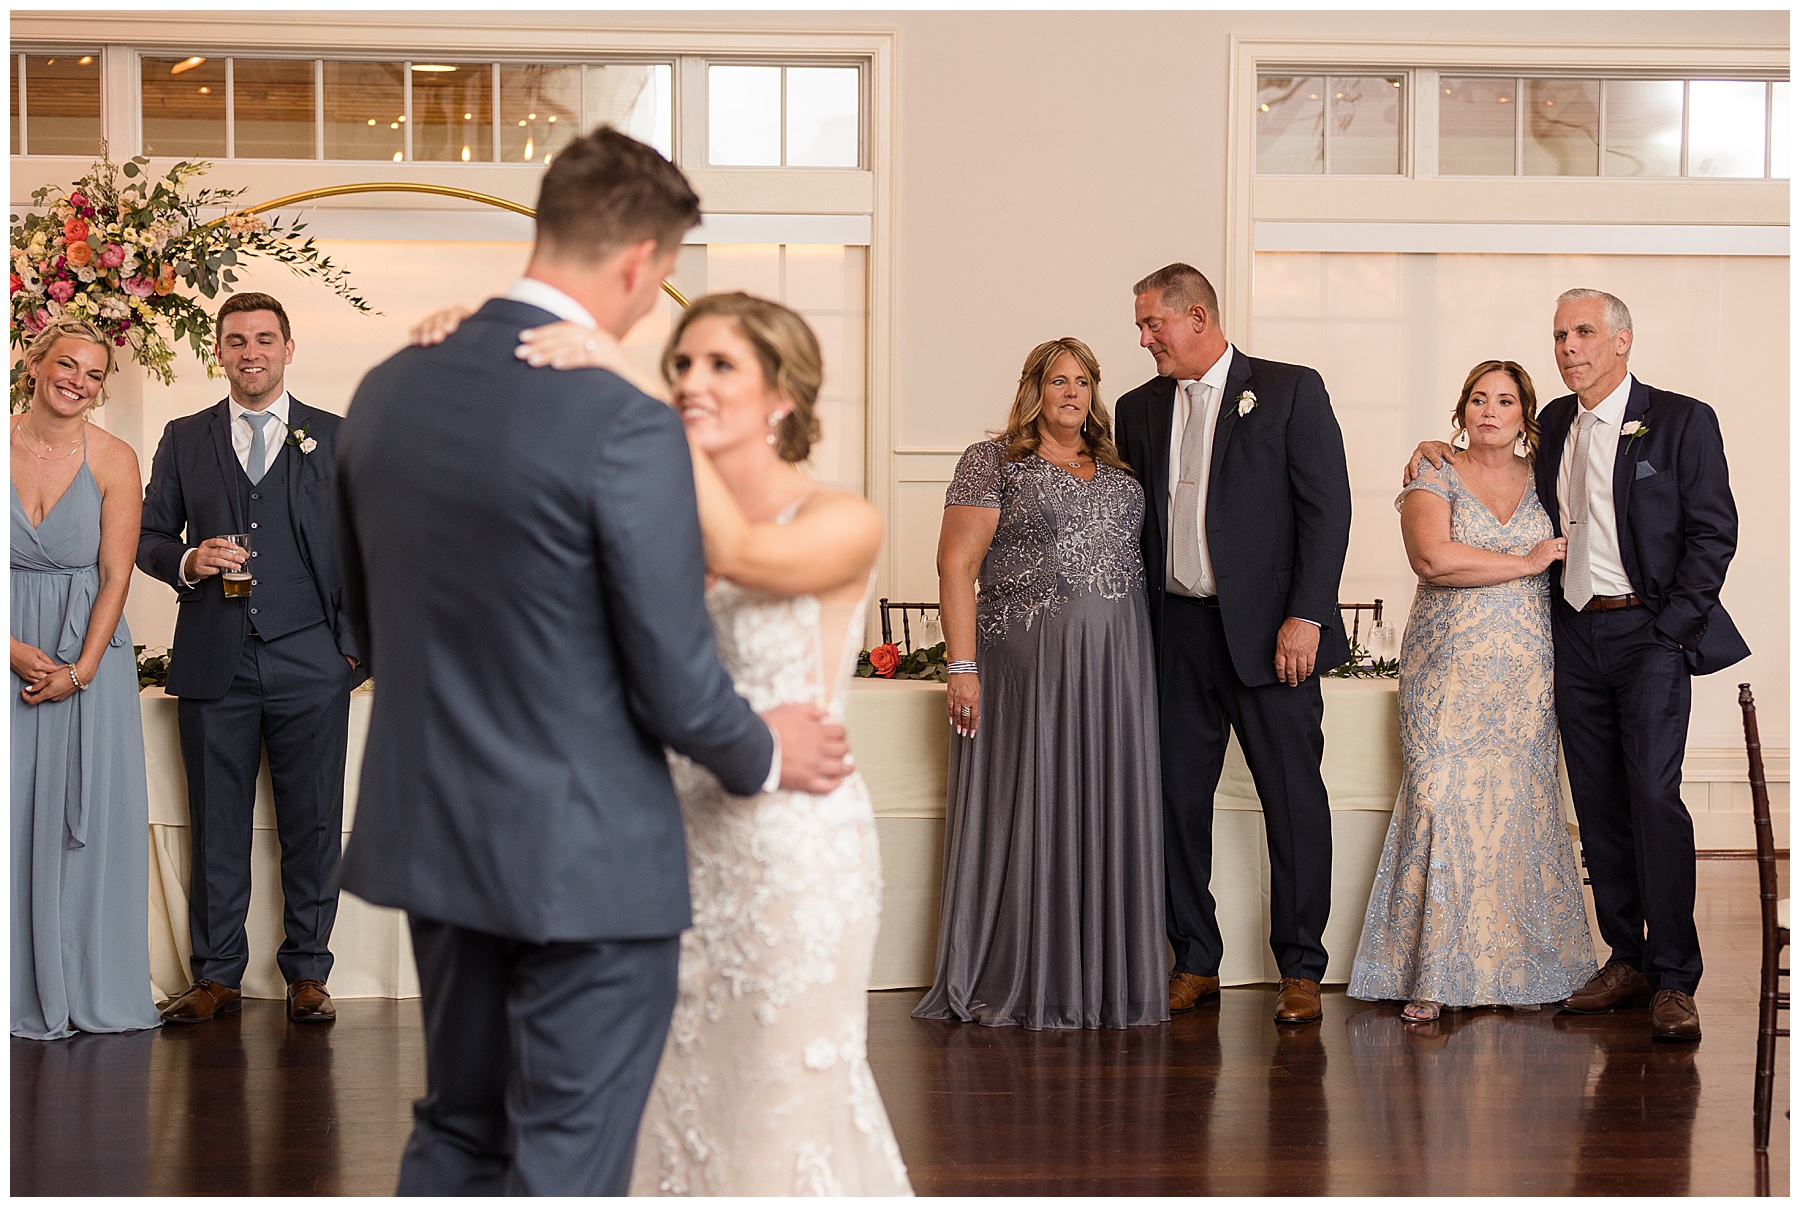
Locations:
{"points": [[764, 1086], [1477, 898]]}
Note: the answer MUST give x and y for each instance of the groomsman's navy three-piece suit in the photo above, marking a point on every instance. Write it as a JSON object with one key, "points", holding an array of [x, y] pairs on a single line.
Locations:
{"points": [[268, 668]]}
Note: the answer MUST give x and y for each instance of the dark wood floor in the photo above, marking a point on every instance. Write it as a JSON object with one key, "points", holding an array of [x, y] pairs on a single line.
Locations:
{"points": [[1218, 1102]]}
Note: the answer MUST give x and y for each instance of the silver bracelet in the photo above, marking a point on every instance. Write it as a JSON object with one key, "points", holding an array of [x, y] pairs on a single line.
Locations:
{"points": [[963, 667], [76, 680]]}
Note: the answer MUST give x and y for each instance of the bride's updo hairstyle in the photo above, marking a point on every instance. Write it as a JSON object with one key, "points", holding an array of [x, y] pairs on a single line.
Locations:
{"points": [[787, 349], [65, 327], [1527, 398]]}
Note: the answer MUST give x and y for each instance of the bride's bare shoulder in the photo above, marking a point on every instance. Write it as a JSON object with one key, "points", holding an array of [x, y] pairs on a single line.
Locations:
{"points": [[841, 508]]}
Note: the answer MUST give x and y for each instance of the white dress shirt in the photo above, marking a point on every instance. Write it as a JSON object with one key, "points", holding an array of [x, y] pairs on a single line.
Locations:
{"points": [[1605, 562], [545, 296], [275, 434], [1213, 390]]}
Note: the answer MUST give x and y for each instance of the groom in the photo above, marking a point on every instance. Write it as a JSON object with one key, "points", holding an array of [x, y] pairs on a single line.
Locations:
{"points": [[523, 567]]}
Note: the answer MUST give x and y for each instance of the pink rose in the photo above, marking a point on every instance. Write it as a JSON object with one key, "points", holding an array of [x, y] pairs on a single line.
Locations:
{"points": [[77, 199], [37, 320], [112, 256], [61, 291], [139, 286]]}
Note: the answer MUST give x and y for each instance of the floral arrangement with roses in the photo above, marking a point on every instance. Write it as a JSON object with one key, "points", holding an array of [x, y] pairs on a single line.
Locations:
{"points": [[113, 248], [886, 661]]}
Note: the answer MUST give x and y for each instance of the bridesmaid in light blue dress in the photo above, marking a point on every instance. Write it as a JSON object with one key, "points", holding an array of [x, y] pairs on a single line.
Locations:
{"points": [[80, 812], [1477, 899]]}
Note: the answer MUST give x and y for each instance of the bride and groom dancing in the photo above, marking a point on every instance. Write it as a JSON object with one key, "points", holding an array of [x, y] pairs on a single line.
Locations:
{"points": [[525, 564]]}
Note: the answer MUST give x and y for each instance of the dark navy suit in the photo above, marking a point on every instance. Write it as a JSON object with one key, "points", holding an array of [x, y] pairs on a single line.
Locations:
{"points": [[1277, 529], [522, 562], [1623, 677], [267, 670]]}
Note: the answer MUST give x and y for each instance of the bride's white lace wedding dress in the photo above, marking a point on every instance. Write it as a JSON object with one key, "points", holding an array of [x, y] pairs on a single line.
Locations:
{"points": [[764, 1086]]}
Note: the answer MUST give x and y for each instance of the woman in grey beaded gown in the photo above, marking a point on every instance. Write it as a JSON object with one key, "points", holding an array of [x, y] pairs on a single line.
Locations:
{"points": [[1477, 900], [1052, 910]]}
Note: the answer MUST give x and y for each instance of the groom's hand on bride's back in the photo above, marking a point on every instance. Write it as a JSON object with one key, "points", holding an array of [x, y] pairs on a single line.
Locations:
{"points": [[815, 754]]}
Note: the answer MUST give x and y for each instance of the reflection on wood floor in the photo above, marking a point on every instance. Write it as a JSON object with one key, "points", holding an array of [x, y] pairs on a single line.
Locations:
{"points": [[1220, 1101]]}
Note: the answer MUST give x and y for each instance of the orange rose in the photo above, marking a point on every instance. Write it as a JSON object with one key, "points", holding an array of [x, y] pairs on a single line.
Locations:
{"points": [[79, 254], [75, 230], [885, 658], [165, 280]]}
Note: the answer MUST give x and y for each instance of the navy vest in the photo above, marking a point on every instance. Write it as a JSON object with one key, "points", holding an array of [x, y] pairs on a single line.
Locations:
{"points": [[283, 597]]}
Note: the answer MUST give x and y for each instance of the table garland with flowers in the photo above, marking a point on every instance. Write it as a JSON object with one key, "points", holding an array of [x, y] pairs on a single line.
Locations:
{"points": [[113, 248]]}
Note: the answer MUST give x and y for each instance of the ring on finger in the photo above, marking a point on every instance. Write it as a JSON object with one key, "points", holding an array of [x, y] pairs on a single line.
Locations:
{"points": [[590, 345]]}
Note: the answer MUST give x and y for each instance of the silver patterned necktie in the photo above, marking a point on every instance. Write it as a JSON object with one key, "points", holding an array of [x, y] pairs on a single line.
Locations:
{"points": [[1184, 526], [1578, 576], [259, 449]]}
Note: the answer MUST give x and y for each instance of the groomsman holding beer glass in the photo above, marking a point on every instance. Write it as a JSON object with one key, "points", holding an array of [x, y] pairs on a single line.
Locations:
{"points": [[240, 492]]}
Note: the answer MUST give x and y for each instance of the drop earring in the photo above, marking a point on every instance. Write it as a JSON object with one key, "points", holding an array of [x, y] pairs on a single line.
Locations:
{"points": [[775, 417], [1461, 439], [1520, 448]]}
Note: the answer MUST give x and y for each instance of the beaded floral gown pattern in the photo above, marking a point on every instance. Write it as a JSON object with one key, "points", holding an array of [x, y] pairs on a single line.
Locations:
{"points": [[1477, 899], [764, 1086]]}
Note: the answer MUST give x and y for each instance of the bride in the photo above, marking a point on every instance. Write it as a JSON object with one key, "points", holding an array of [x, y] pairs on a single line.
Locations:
{"points": [[764, 1086]]}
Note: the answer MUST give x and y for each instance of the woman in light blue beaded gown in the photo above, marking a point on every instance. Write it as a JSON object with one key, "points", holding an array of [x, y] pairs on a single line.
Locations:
{"points": [[80, 810], [1477, 899]]}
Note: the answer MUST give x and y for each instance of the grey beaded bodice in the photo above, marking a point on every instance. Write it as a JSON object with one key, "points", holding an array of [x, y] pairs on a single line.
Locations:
{"points": [[1059, 538]]}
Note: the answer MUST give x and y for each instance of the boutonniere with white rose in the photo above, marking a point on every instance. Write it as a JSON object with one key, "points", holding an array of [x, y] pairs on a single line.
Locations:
{"points": [[1246, 402], [301, 439], [1632, 430]]}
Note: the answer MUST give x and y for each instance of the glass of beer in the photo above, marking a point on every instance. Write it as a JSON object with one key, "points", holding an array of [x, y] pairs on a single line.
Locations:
{"points": [[237, 582]]}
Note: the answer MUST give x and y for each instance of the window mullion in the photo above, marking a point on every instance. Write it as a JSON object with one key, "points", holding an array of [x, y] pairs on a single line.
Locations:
{"points": [[319, 109], [230, 108], [1687, 88], [494, 108], [24, 145], [1518, 103]]}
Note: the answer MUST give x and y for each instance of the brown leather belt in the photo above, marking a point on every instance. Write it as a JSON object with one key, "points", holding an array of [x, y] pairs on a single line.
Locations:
{"points": [[1612, 603]]}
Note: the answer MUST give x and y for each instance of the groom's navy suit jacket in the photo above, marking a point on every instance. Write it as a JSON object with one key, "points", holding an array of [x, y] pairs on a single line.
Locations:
{"points": [[1677, 523], [1277, 507], [193, 495], [523, 568]]}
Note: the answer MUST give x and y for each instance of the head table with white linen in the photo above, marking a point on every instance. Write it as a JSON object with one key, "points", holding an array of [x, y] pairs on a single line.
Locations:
{"points": [[901, 739]]}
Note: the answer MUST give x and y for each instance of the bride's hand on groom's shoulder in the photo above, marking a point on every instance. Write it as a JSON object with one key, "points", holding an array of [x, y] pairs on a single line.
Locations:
{"points": [[572, 346], [437, 326]]}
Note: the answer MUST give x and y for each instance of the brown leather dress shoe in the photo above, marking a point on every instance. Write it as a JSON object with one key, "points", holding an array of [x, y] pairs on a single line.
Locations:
{"points": [[1298, 1001], [1673, 1016], [201, 1002], [1614, 985], [308, 1002], [1186, 988]]}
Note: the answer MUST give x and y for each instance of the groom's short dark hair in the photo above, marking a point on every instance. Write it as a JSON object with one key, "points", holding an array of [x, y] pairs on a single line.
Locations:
{"points": [[605, 191]]}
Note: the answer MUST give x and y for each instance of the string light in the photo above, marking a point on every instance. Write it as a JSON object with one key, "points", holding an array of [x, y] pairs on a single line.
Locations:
{"points": [[187, 64], [465, 155]]}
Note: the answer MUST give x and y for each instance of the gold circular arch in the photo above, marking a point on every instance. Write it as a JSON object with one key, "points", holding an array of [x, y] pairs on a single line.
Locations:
{"points": [[397, 186]]}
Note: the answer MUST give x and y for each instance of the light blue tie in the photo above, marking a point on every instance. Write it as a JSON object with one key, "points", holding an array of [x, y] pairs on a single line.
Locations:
{"points": [[259, 449]]}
